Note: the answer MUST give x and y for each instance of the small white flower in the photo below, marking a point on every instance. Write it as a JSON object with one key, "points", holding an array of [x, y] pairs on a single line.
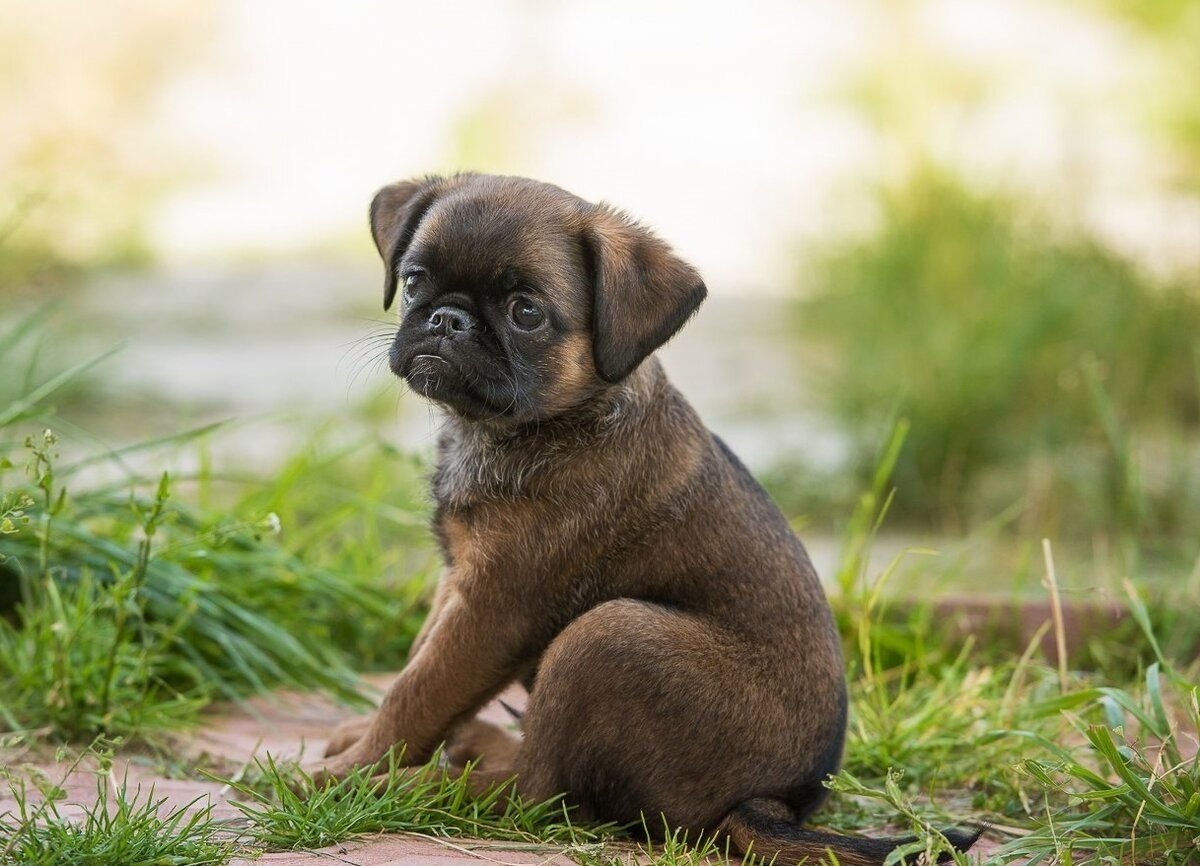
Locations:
{"points": [[273, 523]]}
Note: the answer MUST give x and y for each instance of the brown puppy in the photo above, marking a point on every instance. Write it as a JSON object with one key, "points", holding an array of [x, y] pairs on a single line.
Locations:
{"points": [[600, 543]]}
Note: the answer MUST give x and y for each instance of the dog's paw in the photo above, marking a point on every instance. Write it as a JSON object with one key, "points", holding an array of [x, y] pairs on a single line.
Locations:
{"points": [[346, 735], [482, 742], [332, 770]]}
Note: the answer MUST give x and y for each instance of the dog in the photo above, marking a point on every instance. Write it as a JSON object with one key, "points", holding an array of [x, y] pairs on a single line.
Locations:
{"points": [[600, 543]]}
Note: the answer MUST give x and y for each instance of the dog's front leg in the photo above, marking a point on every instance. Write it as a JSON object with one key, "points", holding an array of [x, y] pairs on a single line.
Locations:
{"points": [[440, 594], [351, 730], [472, 651]]}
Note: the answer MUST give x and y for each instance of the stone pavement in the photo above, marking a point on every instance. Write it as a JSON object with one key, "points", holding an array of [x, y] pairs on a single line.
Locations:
{"points": [[287, 725], [291, 725], [408, 850]]}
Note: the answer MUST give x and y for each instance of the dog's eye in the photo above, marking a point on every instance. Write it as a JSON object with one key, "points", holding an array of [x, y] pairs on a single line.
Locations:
{"points": [[411, 280], [525, 314]]}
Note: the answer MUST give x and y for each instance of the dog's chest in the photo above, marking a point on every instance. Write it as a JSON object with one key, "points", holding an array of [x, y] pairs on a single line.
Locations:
{"points": [[470, 471], [505, 553], [493, 536], [522, 515]]}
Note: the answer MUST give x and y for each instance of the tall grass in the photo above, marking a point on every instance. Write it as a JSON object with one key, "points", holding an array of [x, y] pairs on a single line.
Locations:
{"points": [[121, 827], [1010, 347], [1071, 766], [127, 606]]}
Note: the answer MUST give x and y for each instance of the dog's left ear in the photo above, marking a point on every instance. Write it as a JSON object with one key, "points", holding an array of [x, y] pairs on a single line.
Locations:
{"points": [[396, 211], [643, 292]]}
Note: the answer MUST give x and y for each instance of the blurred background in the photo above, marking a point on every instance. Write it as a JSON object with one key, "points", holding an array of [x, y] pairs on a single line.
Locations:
{"points": [[973, 224]]}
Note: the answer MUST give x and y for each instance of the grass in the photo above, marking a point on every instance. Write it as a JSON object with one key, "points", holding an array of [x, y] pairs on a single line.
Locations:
{"points": [[1081, 774], [128, 601], [1083, 771], [284, 811], [1078, 767], [1083, 765], [288, 811], [119, 828], [1035, 366]]}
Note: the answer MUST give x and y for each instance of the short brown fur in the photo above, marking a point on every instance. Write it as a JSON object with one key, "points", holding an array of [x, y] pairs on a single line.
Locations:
{"points": [[600, 543]]}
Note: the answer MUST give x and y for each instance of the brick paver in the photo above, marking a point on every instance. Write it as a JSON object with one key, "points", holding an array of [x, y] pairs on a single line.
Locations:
{"points": [[287, 725]]}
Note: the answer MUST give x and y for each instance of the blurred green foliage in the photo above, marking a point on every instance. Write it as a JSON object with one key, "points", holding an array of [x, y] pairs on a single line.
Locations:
{"points": [[82, 160], [1009, 346]]}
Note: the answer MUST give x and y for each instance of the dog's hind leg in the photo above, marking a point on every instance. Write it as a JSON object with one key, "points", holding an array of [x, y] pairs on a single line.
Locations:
{"points": [[641, 708], [488, 745]]}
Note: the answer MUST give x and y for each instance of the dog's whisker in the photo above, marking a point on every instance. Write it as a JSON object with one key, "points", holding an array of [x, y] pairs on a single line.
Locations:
{"points": [[366, 359]]}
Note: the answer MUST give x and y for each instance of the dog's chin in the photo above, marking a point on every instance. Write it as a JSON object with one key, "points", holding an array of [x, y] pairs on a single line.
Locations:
{"points": [[440, 380]]}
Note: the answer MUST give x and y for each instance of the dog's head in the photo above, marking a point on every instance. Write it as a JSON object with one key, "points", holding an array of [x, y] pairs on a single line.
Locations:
{"points": [[520, 301]]}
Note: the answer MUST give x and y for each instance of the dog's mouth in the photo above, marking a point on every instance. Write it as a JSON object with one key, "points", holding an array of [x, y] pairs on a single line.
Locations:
{"points": [[431, 375], [446, 380], [426, 365]]}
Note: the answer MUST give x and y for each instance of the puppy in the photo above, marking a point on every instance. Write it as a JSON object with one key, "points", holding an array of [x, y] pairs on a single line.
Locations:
{"points": [[599, 542]]}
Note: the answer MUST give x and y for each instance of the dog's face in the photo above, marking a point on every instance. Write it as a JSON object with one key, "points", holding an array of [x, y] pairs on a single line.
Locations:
{"points": [[520, 301]]}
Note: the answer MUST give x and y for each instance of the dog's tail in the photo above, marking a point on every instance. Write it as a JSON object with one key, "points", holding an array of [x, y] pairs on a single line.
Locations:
{"points": [[766, 829]]}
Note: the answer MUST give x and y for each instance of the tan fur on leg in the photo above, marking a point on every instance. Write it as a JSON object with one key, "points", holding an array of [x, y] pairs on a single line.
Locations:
{"points": [[346, 735], [488, 745]]}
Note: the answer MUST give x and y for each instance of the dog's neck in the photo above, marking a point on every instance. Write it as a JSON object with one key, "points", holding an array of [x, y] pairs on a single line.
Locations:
{"points": [[481, 461]]}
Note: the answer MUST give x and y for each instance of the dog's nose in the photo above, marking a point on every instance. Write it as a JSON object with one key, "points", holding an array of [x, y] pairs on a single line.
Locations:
{"points": [[450, 322]]}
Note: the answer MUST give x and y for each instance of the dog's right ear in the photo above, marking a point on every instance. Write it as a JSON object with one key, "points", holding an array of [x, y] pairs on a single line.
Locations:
{"points": [[643, 292], [396, 211]]}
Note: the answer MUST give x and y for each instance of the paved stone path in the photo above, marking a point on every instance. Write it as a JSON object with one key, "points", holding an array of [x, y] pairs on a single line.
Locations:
{"points": [[286, 725], [290, 725]]}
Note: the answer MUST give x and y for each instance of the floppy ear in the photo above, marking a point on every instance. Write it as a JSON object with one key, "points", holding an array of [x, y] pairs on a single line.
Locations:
{"points": [[643, 292], [396, 211]]}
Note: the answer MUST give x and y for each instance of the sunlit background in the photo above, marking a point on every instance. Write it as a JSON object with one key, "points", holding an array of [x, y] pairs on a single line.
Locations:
{"points": [[974, 224]]}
